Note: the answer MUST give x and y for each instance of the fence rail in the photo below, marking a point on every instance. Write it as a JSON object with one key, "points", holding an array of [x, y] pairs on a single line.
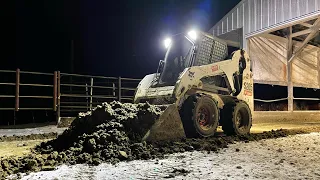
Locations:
{"points": [[68, 93], [282, 99]]}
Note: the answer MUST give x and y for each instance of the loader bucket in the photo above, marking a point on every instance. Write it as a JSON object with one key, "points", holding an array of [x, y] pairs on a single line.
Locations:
{"points": [[168, 126]]}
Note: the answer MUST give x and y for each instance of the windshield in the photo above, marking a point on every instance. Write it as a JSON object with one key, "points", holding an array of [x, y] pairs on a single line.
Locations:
{"points": [[176, 60]]}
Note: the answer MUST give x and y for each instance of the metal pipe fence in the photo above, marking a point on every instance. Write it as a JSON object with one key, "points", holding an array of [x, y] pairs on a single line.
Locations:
{"points": [[68, 93], [281, 104], [18, 96], [82, 92], [282, 99]]}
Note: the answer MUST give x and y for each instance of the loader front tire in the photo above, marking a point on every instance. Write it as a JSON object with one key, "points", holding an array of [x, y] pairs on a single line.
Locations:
{"points": [[200, 116], [236, 119]]}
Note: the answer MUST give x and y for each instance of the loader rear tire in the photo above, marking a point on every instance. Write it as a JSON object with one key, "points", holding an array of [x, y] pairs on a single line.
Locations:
{"points": [[200, 116], [236, 119]]}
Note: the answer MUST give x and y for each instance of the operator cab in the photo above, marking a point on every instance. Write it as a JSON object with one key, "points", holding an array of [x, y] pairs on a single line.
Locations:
{"points": [[178, 57], [186, 50]]}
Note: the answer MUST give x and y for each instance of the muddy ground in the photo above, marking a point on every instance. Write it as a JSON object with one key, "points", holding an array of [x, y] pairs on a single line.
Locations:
{"points": [[292, 157], [139, 151], [112, 133]]}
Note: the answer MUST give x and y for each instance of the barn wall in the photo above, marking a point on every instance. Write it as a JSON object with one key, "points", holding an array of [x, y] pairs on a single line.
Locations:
{"points": [[258, 16], [269, 57]]}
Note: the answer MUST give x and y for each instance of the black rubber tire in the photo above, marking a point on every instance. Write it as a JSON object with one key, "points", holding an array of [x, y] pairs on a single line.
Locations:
{"points": [[192, 110], [231, 123]]}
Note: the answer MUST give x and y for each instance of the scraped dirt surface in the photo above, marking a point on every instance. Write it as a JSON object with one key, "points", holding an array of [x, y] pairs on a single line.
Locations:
{"points": [[5, 131], [308, 121], [28, 137], [293, 157], [112, 133], [17, 148]]}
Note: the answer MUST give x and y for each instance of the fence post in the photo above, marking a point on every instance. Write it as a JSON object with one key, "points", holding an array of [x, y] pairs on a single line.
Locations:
{"points": [[91, 91], [113, 90], [55, 76], [16, 109], [119, 89], [59, 96], [87, 99]]}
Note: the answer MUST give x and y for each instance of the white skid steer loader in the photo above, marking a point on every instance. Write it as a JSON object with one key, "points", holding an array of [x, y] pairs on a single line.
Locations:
{"points": [[201, 88]]}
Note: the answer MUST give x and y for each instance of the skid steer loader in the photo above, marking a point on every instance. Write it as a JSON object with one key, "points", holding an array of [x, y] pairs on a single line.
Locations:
{"points": [[201, 87]]}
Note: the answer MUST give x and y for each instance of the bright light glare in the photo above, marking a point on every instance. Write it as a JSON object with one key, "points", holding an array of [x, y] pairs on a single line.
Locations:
{"points": [[167, 42], [192, 34]]}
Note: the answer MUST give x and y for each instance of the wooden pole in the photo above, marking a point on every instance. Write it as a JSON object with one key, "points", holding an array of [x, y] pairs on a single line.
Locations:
{"points": [[289, 70], [318, 65]]}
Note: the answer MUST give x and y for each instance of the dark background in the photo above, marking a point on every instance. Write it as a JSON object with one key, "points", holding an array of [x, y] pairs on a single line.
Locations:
{"points": [[100, 37], [111, 38]]}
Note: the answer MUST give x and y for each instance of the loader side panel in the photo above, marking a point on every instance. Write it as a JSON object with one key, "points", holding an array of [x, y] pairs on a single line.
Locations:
{"points": [[246, 92], [193, 76]]}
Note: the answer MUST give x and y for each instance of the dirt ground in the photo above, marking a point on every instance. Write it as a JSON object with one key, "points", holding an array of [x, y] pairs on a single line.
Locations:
{"points": [[262, 121], [12, 149], [11, 146], [28, 130], [293, 157], [307, 121], [17, 148]]}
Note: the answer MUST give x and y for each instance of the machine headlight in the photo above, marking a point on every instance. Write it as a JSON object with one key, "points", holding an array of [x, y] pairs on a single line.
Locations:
{"points": [[167, 42], [193, 35]]}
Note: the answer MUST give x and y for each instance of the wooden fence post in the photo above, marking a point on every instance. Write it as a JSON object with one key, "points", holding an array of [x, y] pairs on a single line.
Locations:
{"points": [[16, 109]]}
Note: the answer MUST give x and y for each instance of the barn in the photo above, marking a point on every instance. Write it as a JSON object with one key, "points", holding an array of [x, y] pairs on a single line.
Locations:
{"points": [[282, 39]]}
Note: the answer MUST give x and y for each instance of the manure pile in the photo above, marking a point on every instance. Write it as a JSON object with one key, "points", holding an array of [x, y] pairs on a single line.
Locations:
{"points": [[111, 133]]}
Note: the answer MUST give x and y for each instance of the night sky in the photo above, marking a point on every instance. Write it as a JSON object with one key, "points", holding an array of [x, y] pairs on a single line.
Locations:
{"points": [[111, 38]]}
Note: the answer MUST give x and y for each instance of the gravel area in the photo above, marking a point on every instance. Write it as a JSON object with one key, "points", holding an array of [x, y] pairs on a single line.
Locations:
{"points": [[293, 157]]}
